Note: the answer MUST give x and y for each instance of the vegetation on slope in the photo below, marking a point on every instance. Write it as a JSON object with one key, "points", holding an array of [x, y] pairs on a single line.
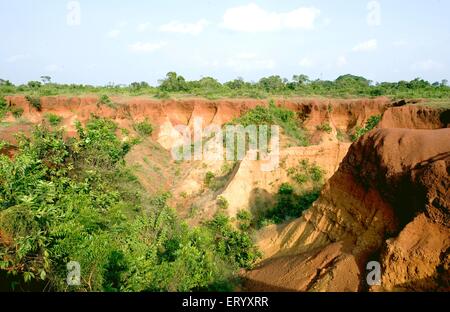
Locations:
{"points": [[74, 199], [273, 115]]}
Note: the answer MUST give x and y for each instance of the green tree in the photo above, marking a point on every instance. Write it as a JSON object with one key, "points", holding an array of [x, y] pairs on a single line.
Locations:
{"points": [[173, 83]]}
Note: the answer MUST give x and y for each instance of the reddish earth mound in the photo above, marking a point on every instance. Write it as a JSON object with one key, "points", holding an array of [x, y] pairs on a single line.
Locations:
{"points": [[415, 117], [389, 201]]}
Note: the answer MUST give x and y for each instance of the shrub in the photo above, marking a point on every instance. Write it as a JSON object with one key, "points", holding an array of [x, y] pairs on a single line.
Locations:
{"points": [[233, 245], [273, 115], [3, 107], [305, 172], [325, 127], [35, 101], [245, 219], [209, 180], [371, 123], [53, 119], [289, 205], [17, 112], [105, 100], [144, 128], [222, 203]]}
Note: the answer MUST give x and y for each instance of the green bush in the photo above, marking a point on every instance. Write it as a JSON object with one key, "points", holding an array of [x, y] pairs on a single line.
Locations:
{"points": [[222, 203], [105, 100], [325, 127], [289, 205], [305, 172], [371, 123], [3, 107], [34, 101], [144, 128], [17, 112], [273, 115], [245, 219], [235, 246], [53, 119]]}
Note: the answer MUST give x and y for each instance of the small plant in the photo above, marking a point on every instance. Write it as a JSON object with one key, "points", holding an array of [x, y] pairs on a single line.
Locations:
{"points": [[35, 101], [305, 172], [244, 218], [3, 107], [209, 180], [53, 119], [125, 131], [325, 127], [193, 211], [105, 100], [222, 203], [184, 195], [17, 112], [316, 173], [340, 135], [371, 123], [144, 128]]}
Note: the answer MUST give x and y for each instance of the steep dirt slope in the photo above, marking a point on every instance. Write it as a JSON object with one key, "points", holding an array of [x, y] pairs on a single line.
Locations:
{"points": [[389, 196], [415, 117]]}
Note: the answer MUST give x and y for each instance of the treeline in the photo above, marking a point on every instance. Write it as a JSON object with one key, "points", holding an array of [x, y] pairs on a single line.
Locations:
{"points": [[300, 85]]}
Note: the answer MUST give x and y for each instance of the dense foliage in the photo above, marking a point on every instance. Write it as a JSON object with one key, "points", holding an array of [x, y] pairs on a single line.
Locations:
{"points": [[300, 85], [74, 199], [289, 205], [274, 115], [371, 123]]}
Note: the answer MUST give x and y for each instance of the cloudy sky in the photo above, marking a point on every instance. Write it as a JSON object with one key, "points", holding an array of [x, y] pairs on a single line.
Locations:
{"points": [[99, 41]]}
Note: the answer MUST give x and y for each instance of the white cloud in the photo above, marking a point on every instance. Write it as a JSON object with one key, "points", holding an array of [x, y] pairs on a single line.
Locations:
{"points": [[374, 15], [249, 62], [184, 28], [366, 46], [113, 33], [17, 57], [252, 18], [341, 61], [53, 68], [427, 65], [143, 27], [145, 47], [306, 62]]}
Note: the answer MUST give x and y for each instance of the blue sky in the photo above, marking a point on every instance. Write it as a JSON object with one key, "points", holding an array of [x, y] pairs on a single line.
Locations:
{"points": [[100, 41]]}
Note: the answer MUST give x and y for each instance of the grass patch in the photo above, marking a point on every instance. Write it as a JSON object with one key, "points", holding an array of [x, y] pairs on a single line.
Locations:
{"points": [[324, 127], [143, 128], [53, 119]]}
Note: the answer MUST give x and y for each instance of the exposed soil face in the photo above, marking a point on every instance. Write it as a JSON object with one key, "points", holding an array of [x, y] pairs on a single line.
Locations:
{"points": [[390, 195]]}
